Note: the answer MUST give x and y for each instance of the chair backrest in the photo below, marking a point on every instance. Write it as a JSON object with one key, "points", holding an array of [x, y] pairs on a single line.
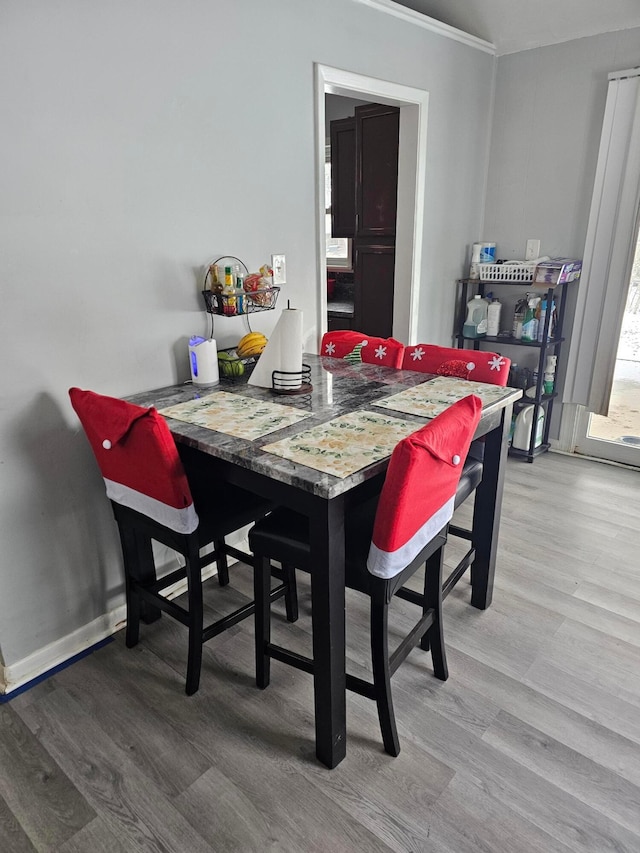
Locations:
{"points": [[357, 347], [138, 459], [479, 365], [417, 498]]}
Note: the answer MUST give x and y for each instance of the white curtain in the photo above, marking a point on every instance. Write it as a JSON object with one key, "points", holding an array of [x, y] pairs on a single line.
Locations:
{"points": [[609, 249]]}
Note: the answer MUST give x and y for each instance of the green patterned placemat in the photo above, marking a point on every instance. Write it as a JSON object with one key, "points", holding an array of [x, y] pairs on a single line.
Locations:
{"points": [[233, 414], [433, 397], [345, 444]]}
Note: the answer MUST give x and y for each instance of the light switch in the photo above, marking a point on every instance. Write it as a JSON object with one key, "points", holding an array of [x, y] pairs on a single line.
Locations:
{"points": [[279, 267]]}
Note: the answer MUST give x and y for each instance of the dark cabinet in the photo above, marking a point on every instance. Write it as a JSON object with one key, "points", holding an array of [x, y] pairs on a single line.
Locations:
{"points": [[373, 295], [335, 324], [364, 190], [377, 132], [343, 177]]}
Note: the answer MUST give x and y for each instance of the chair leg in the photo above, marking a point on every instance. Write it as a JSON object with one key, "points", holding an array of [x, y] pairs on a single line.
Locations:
{"points": [[382, 676], [291, 595], [194, 593], [129, 546], [139, 564], [132, 634], [433, 601], [424, 642], [221, 562], [262, 614]]}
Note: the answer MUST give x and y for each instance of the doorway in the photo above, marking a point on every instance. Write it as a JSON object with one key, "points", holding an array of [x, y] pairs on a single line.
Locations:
{"points": [[413, 104], [363, 140]]}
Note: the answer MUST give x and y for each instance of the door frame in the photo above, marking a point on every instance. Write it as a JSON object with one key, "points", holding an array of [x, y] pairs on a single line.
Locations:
{"points": [[413, 105], [601, 448]]}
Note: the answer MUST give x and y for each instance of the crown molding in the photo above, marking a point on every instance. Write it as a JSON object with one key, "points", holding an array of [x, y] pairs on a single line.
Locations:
{"points": [[388, 7]]}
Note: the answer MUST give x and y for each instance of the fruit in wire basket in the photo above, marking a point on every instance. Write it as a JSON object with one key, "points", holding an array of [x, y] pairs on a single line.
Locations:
{"points": [[258, 286], [251, 345], [229, 365]]}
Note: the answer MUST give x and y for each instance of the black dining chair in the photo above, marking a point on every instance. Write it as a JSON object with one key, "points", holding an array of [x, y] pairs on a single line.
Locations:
{"points": [[477, 366], [160, 494], [387, 539]]}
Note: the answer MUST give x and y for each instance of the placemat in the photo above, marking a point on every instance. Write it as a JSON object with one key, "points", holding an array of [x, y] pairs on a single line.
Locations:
{"points": [[433, 397], [345, 444], [233, 414]]}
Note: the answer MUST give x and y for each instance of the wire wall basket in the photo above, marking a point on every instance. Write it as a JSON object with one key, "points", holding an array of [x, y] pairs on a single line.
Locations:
{"points": [[242, 300]]}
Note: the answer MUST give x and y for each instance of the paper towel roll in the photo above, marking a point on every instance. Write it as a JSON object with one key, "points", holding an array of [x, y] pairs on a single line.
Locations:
{"points": [[291, 341], [203, 360], [282, 352]]}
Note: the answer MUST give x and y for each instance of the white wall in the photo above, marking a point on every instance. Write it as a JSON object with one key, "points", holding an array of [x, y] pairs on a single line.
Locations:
{"points": [[337, 107], [548, 116], [140, 141]]}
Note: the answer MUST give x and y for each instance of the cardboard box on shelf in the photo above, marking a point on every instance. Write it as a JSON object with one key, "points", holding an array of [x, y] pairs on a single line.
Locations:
{"points": [[557, 271]]}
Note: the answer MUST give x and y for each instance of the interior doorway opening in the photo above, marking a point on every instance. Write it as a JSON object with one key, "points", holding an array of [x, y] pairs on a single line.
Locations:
{"points": [[361, 213], [413, 104]]}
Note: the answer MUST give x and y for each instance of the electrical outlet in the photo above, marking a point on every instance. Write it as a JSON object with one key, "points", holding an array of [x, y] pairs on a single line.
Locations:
{"points": [[533, 250], [279, 267]]}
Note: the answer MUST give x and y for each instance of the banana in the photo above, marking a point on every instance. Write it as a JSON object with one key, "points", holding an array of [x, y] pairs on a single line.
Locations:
{"points": [[251, 351], [251, 345]]}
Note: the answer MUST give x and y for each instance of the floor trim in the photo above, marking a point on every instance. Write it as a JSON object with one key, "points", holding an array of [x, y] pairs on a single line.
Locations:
{"points": [[40, 664]]}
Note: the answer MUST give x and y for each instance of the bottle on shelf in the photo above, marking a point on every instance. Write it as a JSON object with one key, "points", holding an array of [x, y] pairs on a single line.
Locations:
{"points": [[228, 292], [542, 313], [475, 326], [518, 317], [238, 276], [530, 324], [215, 282], [493, 318], [550, 373], [474, 269]]}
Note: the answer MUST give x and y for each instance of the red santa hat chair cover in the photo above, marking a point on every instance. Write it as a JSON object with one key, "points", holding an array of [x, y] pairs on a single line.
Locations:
{"points": [[140, 466], [478, 365], [387, 539], [357, 347], [152, 498], [418, 496]]}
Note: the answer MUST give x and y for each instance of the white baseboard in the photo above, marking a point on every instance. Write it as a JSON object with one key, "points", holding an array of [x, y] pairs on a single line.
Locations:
{"points": [[16, 675], [33, 666]]}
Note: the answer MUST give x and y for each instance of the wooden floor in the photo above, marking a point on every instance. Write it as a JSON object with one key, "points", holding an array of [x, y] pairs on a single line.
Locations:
{"points": [[531, 746]]}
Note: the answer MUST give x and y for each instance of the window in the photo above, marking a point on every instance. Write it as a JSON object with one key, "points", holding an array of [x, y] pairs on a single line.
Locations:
{"points": [[338, 248]]}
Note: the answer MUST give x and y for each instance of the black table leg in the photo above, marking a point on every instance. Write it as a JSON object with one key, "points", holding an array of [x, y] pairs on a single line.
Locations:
{"points": [[486, 513], [328, 604]]}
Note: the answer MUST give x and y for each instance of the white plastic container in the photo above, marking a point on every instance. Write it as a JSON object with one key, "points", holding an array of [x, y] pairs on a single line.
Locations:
{"points": [[474, 269], [475, 326], [203, 360], [487, 253], [493, 318], [523, 426]]}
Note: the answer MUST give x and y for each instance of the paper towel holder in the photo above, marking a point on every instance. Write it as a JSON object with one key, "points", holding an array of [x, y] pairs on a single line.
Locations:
{"points": [[292, 381]]}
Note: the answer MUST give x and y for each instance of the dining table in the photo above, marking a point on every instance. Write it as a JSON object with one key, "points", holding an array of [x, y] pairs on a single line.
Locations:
{"points": [[319, 450]]}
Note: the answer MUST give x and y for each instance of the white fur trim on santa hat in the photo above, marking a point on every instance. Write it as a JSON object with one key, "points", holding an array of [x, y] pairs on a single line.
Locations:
{"points": [[182, 520], [387, 564]]}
